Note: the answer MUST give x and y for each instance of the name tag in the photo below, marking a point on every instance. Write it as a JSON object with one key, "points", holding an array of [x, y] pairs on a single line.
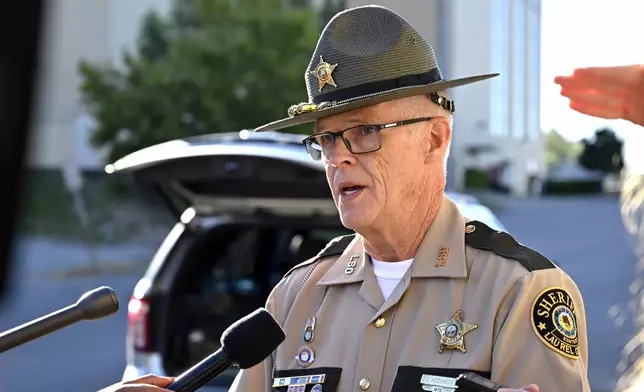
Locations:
{"points": [[298, 381], [433, 383]]}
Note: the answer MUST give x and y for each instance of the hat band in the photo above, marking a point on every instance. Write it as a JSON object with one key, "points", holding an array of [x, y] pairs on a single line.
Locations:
{"points": [[433, 76]]}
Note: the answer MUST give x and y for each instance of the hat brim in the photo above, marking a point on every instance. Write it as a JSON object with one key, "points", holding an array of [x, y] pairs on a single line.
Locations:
{"points": [[391, 95]]}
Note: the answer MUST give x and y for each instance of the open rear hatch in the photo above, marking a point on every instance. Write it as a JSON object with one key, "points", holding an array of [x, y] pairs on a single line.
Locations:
{"points": [[272, 188], [228, 173]]}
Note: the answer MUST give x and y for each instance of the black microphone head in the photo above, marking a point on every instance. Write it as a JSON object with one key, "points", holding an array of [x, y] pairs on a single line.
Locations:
{"points": [[98, 303], [252, 338]]}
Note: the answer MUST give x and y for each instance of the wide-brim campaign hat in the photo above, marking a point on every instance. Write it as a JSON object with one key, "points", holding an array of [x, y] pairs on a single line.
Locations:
{"points": [[364, 56]]}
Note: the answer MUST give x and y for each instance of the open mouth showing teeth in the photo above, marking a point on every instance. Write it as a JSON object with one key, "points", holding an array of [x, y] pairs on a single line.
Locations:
{"points": [[351, 190]]}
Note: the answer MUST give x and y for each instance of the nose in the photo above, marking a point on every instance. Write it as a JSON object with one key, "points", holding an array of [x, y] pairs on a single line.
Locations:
{"points": [[340, 156]]}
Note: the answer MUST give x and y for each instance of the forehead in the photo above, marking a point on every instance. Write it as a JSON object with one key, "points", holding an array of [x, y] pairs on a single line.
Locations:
{"points": [[337, 122], [382, 113]]}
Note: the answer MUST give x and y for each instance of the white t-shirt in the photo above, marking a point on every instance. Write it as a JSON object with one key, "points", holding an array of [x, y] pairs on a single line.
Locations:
{"points": [[389, 274]]}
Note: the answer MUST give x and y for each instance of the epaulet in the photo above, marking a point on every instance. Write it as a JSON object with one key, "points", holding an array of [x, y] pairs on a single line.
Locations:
{"points": [[335, 247], [480, 236]]}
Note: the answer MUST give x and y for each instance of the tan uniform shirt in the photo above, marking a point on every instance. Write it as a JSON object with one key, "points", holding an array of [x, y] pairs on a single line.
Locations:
{"points": [[473, 300]]}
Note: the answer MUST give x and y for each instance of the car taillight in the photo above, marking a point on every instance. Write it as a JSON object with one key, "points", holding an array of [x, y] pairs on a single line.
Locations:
{"points": [[137, 316]]}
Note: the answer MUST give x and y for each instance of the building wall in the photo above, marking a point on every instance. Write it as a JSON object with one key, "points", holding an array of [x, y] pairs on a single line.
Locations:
{"points": [[96, 30], [478, 37]]}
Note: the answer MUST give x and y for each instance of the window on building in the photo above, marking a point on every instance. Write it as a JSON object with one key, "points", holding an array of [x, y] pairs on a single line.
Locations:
{"points": [[533, 42], [499, 124], [443, 37], [328, 9], [519, 77]]}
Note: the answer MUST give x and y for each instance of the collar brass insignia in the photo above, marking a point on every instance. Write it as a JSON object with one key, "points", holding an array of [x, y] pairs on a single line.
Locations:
{"points": [[324, 72], [453, 333]]}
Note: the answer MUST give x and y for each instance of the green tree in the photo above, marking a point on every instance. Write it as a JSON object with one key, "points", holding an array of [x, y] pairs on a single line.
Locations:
{"points": [[603, 152], [559, 149], [208, 66]]}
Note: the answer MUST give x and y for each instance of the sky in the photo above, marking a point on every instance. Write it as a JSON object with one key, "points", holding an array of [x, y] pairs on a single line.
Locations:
{"points": [[582, 33]]}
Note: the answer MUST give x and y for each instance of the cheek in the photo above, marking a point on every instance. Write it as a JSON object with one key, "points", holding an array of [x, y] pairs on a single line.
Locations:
{"points": [[382, 178], [329, 179], [379, 170], [399, 176]]}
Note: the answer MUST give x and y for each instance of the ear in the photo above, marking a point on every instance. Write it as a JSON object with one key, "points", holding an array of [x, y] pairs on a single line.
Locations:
{"points": [[435, 144]]}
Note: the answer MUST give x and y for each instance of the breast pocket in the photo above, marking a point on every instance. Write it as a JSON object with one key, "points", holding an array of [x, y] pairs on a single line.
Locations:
{"points": [[323, 379], [413, 378]]}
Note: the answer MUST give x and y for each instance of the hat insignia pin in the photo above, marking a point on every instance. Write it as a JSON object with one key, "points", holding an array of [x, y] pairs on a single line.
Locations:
{"points": [[324, 72]]}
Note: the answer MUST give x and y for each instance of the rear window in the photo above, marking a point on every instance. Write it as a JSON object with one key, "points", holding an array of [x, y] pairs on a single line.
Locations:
{"points": [[254, 260], [228, 275]]}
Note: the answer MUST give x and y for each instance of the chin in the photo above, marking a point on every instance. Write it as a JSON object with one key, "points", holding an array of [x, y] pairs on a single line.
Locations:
{"points": [[356, 218]]}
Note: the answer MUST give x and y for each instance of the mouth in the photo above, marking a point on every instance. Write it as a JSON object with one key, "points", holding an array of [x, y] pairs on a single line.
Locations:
{"points": [[350, 191]]}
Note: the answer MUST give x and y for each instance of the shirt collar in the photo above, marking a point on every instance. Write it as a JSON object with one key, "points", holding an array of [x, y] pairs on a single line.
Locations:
{"points": [[441, 253]]}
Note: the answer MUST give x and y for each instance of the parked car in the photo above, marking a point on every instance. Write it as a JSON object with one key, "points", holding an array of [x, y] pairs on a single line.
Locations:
{"points": [[248, 207]]}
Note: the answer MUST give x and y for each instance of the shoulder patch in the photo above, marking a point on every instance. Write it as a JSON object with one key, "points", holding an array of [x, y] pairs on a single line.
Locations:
{"points": [[335, 247], [480, 236], [554, 320]]}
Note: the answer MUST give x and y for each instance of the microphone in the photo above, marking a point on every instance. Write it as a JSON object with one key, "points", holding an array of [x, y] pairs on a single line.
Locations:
{"points": [[244, 344], [92, 305]]}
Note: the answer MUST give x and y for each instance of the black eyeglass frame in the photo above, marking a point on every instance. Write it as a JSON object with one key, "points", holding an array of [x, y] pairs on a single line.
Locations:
{"points": [[379, 127]]}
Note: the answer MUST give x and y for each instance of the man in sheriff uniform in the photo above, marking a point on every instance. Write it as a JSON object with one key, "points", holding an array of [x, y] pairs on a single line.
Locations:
{"points": [[419, 294]]}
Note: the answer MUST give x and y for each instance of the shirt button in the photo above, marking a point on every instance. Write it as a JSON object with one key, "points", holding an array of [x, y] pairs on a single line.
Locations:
{"points": [[365, 384], [380, 322]]}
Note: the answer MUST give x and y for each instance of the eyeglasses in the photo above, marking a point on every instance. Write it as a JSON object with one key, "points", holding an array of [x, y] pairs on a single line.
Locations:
{"points": [[362, 139]]}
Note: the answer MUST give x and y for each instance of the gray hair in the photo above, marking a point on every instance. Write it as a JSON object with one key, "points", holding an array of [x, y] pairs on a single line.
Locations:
{"points": [[433, 110]]}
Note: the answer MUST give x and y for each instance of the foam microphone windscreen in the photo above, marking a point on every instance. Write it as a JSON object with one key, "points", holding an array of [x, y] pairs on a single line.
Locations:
{"points": [[252, 339]]}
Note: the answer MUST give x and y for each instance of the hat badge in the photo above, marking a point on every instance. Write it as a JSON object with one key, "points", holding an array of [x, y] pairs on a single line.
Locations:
{"points": [[324, 72]]}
